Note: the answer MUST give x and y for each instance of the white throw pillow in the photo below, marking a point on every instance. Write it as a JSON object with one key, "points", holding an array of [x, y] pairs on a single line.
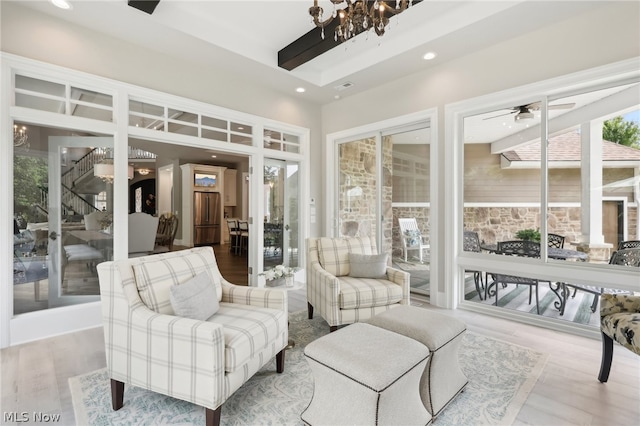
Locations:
{"points": [[368, 265], [195, 298]]}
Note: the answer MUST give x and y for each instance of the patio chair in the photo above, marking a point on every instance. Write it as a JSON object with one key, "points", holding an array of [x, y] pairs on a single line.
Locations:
{"points": [[629, 244], [624, 257], [471, 242], [555, 240], [522, 248], [411, 237]]}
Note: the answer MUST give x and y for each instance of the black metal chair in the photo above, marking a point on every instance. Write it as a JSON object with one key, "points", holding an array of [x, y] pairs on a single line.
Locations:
{"points": [[523, 248], [624, 257], [471, 242], [555, 240], [629, 244]]}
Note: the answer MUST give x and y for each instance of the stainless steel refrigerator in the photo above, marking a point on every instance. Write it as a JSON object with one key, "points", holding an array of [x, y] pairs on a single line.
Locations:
{"points": [[206, 218]]}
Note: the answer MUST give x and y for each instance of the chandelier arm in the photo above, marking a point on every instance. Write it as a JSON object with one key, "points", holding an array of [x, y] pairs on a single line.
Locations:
{"points": [[403, 5]]}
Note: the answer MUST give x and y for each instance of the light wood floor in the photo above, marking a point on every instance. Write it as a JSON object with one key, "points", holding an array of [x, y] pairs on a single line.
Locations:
{"points": [[35, 375]]}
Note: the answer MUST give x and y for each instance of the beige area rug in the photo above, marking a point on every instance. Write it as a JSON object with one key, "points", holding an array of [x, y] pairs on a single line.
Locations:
{"points": [[501, 376]]}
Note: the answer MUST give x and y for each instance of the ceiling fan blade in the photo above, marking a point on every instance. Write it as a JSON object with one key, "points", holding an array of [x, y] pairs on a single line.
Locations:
{"points": [[563, 106], [499, 115], [535, 106]]}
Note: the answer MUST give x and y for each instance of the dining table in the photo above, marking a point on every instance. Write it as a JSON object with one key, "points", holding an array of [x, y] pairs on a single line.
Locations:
{"points": [[100, 240]]}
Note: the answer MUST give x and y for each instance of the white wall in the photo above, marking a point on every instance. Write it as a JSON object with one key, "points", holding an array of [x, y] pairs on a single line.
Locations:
{"points": [[608, 34]]}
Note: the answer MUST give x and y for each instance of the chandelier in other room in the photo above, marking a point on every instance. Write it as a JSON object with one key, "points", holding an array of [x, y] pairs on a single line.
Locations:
{"points": [[104, 171], [20, 136], [358, 16]]}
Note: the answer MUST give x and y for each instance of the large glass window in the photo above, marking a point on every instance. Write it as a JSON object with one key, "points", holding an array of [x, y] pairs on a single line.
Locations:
{"points": [[572, 199]]}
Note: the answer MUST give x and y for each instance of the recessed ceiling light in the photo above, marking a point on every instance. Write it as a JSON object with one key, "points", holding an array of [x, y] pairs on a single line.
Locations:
{"points": [[62, 4], [300, 90], [214, 156], [429, 56]]}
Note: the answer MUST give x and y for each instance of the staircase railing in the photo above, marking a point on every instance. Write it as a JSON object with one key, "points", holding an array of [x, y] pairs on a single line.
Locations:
{"points": [[71, 203]]}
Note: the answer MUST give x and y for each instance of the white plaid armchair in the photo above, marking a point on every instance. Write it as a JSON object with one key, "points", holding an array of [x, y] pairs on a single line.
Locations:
{"points": [[203, 362], [343, 299]]}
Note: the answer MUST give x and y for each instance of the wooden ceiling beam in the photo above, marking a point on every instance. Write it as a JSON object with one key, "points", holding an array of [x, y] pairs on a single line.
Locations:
{"points": [[147, 6]]}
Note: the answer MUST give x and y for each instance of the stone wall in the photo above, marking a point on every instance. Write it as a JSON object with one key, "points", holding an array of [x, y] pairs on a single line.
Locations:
{"points": [[358, 197], [502, 223]]}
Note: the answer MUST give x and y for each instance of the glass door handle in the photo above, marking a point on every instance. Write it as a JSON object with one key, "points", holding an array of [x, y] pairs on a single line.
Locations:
{"points": [[53, 235], [286, 227]]}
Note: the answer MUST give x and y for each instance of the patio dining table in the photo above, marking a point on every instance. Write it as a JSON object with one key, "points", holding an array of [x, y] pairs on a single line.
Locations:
{"points": [[553, 252], [560, 289]]}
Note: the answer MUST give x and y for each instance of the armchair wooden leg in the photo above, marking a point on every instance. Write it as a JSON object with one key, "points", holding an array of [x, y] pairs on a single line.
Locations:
{"points": [[117, 394], [280, 361], [310, 310], [607, 356], [212, 417]]}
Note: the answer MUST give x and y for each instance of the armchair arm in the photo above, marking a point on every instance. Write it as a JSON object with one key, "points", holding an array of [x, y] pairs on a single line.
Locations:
{"points": [[322, 292], [263, 297], [150, 348], [617, 303], [401, 278]]}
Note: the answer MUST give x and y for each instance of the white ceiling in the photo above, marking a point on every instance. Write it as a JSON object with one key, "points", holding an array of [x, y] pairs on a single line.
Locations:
{"points": [[245, 36]]}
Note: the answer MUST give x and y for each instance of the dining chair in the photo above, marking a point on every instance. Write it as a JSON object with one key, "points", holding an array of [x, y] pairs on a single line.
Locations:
{"points": [[234, 235], [243, 228], [523, 248], [471, 242]]}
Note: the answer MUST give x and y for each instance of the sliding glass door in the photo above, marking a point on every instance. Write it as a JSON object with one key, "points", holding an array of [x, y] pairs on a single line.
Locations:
{"points": [[383, 184]]}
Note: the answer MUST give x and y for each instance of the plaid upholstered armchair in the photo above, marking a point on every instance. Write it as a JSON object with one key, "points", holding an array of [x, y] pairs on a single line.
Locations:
{"points": [[347, 281], [201, 361]]}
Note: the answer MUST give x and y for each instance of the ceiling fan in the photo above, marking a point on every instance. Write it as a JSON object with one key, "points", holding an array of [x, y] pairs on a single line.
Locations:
{"points": [[524, 112]]}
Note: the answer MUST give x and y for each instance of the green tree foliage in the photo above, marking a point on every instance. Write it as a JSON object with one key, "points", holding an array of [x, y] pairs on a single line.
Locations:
{"points": [[28, 174], [622, 132]]}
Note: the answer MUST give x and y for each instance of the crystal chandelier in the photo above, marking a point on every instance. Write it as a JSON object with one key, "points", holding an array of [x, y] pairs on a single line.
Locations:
{"points": [[357, 16], [104, 171], [20, 136]]}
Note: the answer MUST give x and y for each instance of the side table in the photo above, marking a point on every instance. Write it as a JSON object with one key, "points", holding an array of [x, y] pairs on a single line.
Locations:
{"points": [[297, 285]]}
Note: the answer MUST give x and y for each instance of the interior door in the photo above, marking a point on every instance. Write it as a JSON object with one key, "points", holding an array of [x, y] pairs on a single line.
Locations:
{"points": [[73, 249]]}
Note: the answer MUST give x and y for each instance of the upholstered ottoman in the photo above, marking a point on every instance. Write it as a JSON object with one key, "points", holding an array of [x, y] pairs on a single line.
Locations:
{"points": [[442, 379], [365, 375]]}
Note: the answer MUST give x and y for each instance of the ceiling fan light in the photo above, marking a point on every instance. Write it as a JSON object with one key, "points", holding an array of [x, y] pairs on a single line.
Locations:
{"points": [[524, 116]]}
